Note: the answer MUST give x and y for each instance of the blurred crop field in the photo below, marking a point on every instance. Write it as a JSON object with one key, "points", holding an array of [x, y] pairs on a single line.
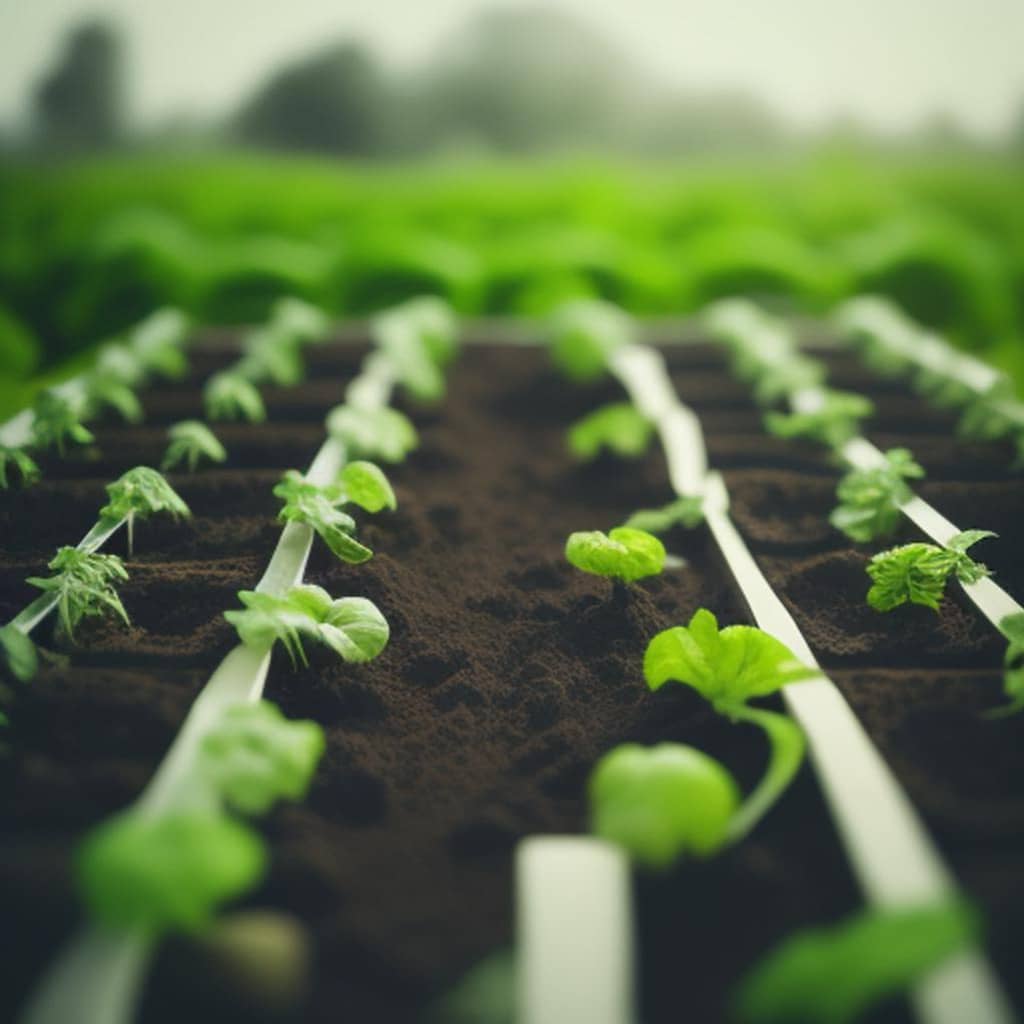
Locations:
{"points": [[88, 247]]}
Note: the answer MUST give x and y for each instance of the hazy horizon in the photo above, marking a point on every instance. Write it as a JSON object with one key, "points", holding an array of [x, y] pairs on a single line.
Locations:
{"points": [[889, 65]]}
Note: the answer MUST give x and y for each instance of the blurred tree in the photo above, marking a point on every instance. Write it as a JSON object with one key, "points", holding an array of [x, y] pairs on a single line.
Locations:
{"points": [[79, 102], [336, 100]]}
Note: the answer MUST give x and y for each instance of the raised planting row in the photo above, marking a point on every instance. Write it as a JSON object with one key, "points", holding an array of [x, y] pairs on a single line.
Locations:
{"points": [[509, 677]]}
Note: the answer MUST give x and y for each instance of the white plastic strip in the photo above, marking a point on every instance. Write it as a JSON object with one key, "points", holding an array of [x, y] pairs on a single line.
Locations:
{"points": [[574, 932]]}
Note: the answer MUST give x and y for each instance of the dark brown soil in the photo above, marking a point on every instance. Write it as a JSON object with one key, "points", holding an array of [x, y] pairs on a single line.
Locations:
{"points": [[507, 675]]}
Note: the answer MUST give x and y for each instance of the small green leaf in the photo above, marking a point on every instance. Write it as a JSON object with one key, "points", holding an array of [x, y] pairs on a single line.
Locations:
{"points": [[372, 433], [870, 499], [158, 340], [254, 756], [584, 335], [1012, 627], [319, 507], [142, 492], [22, 462], [18, 654], [166, 873], [727, 667], [625, 554], [268, 355], [835, 423], [107, 392], [55, 422], [833, 975], [364, 484], [400, 338], [229, 396], [83, 583], [662, 802], [686, 511], [618, 427], [301, 322], [351, 626], [191, 442], [917, 573]]}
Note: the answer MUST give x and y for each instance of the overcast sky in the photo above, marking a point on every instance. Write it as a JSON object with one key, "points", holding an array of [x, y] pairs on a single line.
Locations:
{"points": [[889, 62]]}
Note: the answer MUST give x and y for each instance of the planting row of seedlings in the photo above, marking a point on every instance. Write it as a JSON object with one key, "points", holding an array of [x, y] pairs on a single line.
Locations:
{"points": [[665, 801], [179, 851], [513, 676]]}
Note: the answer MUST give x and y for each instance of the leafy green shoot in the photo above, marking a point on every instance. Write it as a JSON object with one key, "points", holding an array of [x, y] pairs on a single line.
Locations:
{"points": [[687, 511], [301, 321], [83, 585], [20, 460], [56, 421], [419, 339], [106, 393], [584, 335], [229, 396], [1012, 627], [191, 442], [167, 873], [662, 802], [138, 494], [623, 553], [729, 667], [18, 656], [157, 343], [361, 483], [775, 382], [835, 975], [835, 423], [353, 627], [618, 428], [380, 433], [917, 573], [254, 756], [270, 356], [870, 499]]}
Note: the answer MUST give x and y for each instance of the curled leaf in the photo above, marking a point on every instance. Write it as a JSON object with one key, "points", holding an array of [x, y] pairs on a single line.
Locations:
{"points": [[623, 553], [191, 442], [372, 433], [142, 492], [229, 396], [618, 427]]}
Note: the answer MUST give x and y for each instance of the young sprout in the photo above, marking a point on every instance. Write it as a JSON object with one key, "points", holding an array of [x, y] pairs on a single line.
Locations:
{"points": [[584, 335], [18, 656], [103, 390], [270, 356], [20, 460], [372, 433], [229, 396], [359, 483], [353, 627], [662, 802], [687, 512], [83, 585], [299, 320], [56, 420], [170, 872], [624, 554], [835, 975], [254, 756], [729, 667], [191, 442], [870, 499], [618, 427], [835, 423], [158, 341], [140, 493], [419, 339], [917, 573]]}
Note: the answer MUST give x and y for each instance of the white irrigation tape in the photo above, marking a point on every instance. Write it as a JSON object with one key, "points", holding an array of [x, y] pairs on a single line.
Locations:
{"points": [[891, 854], [97, 978]]}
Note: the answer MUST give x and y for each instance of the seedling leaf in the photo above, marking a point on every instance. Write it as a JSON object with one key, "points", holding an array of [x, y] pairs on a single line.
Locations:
{"points": [[365, 485], [254, 756], [142, 492], [835, 423], [686, 511], [20, 460], [229, 396], [917, 573], [372, 433], [83, 583], [191, 442], [319, 507], [617, 427], [870, 499], [106, 391], [624, 553], [1012, 627], [727, 667], [166, 873], [662, 802], [585, 333], [833, 975], [20, 659], [56, 421]]}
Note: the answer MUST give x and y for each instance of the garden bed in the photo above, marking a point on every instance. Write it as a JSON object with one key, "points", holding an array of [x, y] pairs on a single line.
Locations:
{"points": [[507, 675]]}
